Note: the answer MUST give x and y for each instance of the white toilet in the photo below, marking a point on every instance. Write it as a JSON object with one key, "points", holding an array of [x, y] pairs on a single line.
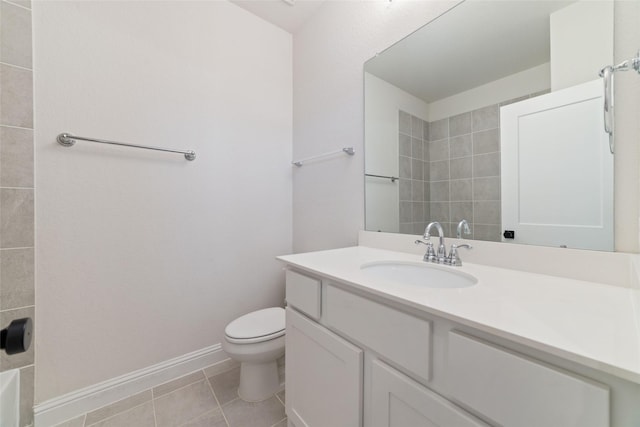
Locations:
{"points": [[256, 340]]}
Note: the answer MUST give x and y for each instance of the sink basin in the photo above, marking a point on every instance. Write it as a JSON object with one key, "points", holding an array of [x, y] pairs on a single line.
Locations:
{"points": [[419, 274]]}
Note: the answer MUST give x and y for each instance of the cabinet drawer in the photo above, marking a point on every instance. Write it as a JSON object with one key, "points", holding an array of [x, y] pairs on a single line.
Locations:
{"points": [[303, 293], [398, 401], [396, 336], [513, 390]]}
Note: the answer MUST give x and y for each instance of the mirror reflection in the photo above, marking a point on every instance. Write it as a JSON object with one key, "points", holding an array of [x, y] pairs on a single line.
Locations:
{"points": [[492, 113]]}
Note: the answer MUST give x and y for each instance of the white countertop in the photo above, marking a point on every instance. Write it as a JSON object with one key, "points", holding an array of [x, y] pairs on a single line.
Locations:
{"points": [[592, 324]]}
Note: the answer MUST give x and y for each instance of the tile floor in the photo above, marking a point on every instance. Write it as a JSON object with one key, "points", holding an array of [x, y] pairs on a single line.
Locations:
{"points": [[206, 398]]}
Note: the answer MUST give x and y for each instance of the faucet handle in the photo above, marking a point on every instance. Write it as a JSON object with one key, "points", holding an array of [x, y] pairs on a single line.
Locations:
{"points": [[454, 258], [430, 255]]}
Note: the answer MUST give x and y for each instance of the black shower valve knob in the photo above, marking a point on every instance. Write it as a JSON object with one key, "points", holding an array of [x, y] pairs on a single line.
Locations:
{"points": [[16, 338]]}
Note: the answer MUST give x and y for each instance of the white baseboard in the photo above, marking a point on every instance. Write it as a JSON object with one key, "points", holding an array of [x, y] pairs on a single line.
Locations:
{"points": [[74, 404]]}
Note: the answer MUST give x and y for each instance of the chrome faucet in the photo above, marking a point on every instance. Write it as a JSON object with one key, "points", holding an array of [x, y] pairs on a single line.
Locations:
{"points": [[462, 224], [441, 257]]}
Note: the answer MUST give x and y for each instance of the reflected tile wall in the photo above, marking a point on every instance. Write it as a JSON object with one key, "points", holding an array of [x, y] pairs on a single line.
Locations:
{"points": [[17, 187], [460, 172]]}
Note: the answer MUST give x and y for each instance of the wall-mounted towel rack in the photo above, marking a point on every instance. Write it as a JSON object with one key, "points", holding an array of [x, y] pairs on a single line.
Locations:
{"points": [[349, 150], [392, 178], [69, 140]]}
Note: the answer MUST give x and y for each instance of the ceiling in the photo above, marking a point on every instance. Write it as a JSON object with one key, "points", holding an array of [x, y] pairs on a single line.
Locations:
{"points": [[286, 14]]}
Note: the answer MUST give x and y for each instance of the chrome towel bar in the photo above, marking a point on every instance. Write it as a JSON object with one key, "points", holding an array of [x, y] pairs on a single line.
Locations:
{"points": [[69, 140], [392, 178], [349, 150]]}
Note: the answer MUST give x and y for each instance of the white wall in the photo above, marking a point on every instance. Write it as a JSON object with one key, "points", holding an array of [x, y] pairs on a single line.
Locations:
{"points": [[581, 42], [329, 52], [383, 101], [143, 256]]}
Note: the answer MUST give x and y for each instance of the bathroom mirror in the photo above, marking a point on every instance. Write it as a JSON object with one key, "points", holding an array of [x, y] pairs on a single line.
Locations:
{"points": [[492, 113]]}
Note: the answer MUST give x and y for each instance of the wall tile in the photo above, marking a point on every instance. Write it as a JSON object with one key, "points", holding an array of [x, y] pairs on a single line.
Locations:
{"points": [[16, 218], [418, 227], [417, 191], [406, 228], [486, 212], [486, 188], [15, 35], [26, 395], [416, 127], [461, 190], [486, 141], [461, 146], [405, 167], [404, 145], [21, 359], [16, 98], [439, 150], [439, 211], [439, 171], [460, 124], [417, 211], [486, 165], [461, 168], [486, 118], [405, 189], [439, 130], [416, 148], [118, 407], [426, 146], [427, 190], [460, 211], [417, 169], [405, 211], [404, 122], [439, 191], [425, 131], [16, 278], [492, 233], [16, 157]]}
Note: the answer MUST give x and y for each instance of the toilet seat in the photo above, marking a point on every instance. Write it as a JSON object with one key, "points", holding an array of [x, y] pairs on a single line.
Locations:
{"points": [[257, 326]]}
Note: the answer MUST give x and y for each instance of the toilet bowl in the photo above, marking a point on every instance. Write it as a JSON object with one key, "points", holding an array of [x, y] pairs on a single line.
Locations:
{"points": [[256, 340]]}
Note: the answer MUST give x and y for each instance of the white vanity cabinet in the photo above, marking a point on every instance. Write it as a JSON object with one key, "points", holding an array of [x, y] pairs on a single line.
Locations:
{"points": [[358, 359]]}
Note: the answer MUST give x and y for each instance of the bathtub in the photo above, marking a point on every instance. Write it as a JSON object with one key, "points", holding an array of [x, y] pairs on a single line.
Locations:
{"points": [[10, 398]]}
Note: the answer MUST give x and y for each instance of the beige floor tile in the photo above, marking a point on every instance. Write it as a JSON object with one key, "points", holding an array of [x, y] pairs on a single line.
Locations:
{"points": [[282, 423], [185, 404], [220, 367], [174, 385], [120, 406], [281, 396], [76, 422], [261, 414], [225, 385], [140, 416], [210, 419]]}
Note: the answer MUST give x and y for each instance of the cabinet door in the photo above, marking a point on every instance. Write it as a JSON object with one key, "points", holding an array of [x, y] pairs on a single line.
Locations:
{"points": [[398, 401], [323, 376]]}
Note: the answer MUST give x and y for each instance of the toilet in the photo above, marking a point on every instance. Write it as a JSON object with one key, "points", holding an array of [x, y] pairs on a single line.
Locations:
{"points": [[256, 340]]}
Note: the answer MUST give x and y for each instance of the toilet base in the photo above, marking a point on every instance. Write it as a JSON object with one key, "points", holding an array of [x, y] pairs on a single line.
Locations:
{"points": [[258, 381]]}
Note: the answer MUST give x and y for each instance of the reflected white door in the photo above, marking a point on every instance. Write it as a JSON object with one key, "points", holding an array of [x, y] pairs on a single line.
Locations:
{"points": [[559, 131]]}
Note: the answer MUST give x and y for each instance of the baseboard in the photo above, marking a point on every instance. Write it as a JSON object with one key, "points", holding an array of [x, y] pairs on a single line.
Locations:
{"points": [[74, 404]]}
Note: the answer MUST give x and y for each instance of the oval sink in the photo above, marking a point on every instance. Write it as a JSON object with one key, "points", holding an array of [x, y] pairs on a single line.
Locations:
{"points": [[419, 274]]}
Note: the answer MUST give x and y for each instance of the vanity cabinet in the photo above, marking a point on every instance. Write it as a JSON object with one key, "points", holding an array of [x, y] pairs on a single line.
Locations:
{"points": [[355, 359]]}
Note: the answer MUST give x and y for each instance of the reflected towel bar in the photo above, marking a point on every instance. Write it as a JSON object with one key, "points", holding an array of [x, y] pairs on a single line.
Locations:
{"points": [[349, 150], [69, 140], [392, 178]]}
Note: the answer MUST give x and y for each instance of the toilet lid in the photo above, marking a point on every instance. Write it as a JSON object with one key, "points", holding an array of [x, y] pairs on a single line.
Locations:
{"points": [[261, 323]]}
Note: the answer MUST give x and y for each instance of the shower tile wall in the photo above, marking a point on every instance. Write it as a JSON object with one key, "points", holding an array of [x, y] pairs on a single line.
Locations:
{"points": [[414, 173], [17, 187], [460, 173]]}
